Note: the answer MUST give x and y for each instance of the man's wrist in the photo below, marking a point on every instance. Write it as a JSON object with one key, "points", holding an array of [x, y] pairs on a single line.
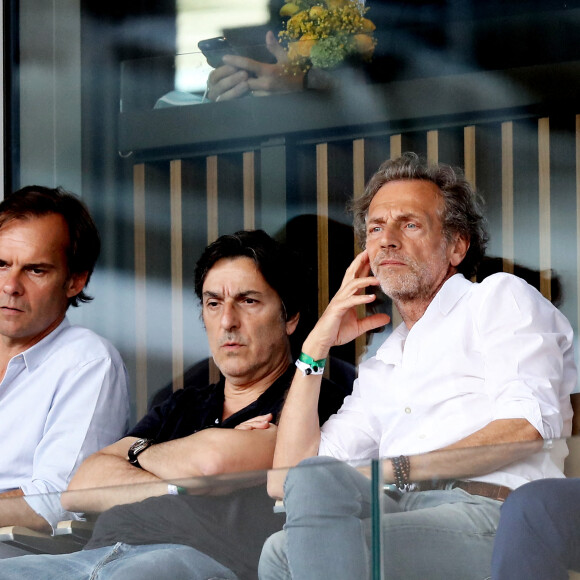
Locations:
{"points": [[314, 350], [136, 451]]}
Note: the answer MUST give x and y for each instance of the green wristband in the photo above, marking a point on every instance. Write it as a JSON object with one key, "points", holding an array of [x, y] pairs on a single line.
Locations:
{"points": [[309, 366]]}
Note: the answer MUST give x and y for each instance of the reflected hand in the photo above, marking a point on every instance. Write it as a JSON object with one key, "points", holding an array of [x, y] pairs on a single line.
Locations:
{"points": [[240, 75]]}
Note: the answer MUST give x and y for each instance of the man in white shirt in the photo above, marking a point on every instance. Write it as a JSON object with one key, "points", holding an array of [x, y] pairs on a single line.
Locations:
{"points": [[63, 389], [471, 365]]}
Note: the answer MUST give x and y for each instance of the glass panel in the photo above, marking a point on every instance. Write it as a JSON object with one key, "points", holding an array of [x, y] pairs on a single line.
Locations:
{"points": [[335, 513]]}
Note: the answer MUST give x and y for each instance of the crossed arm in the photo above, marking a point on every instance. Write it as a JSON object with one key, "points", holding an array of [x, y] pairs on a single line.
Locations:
{"points": [[214, 451]]}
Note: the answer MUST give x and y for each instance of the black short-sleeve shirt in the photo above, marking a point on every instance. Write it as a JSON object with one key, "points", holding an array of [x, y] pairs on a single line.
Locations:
{"points": [[231, 527]]}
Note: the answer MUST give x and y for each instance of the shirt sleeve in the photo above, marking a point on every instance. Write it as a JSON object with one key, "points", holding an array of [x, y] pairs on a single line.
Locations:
{"points": [[528, 354], [90, 410]]}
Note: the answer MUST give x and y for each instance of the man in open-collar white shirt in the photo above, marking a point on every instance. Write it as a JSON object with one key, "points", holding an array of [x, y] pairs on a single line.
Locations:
{"points": [[63, 389], [471, 366]]}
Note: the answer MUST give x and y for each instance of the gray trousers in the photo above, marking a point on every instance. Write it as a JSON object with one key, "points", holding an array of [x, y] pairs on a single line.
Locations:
{"points": [[430, 535]]}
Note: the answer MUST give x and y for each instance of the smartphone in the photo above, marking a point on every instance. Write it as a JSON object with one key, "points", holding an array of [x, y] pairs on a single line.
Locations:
{"points": [[214, 50]]}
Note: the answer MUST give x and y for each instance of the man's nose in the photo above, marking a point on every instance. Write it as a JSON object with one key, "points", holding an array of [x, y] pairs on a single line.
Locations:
{"points": [[11, 283], [229, 318], [390, 237]]}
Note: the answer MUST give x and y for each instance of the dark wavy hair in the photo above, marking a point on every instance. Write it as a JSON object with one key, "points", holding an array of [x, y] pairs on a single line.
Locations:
{"points": [[274, 260], [462, 207], [84, 242]]}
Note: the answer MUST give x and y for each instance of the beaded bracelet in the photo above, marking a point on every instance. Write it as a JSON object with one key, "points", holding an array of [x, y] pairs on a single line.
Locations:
{"points": [[309, 366], [402, 471]]}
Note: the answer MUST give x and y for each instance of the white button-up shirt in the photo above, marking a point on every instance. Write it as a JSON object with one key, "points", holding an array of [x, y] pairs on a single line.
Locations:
{"points": [[61, 400], [481, 352]]}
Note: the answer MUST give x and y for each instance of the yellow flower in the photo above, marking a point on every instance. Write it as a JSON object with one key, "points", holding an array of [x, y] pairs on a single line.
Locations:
{"points": [[318, 12], [289, 9], [364, 44], [368, 25], [302, 47]]}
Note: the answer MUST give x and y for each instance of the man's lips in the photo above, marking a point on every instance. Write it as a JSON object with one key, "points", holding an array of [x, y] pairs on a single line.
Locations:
{"points": [[11, 310], [232, 345]]}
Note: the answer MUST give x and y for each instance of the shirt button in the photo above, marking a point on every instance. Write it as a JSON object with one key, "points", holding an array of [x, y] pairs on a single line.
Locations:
{"points": [[407, 410]]}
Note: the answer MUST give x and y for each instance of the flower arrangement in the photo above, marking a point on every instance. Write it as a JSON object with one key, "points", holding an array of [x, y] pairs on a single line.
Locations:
{"points": [[323, 33]]}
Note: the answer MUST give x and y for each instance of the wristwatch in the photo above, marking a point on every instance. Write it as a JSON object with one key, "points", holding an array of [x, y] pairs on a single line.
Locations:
{"points": [[138, 447]]}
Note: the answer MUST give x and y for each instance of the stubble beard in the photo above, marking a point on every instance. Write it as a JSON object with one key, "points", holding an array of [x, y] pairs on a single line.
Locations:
{"points": [[415, 282]]}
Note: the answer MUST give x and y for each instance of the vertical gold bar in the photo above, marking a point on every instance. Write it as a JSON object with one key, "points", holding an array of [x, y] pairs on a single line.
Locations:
{"points": [[396, 146], [140, 288], [507, 196], [358, 186], [212, 198], [322, 213], [433, 146], [249, 191], [469, 154], [176, 272], [212, 228], [544, 178]]}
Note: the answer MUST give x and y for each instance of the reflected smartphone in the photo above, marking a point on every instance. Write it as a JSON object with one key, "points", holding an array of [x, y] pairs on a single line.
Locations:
{"points": [[214, 50]]}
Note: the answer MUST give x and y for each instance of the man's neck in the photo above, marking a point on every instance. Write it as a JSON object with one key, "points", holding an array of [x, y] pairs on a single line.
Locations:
{"points": [[239, 395], [9, 347], [413, 309]]}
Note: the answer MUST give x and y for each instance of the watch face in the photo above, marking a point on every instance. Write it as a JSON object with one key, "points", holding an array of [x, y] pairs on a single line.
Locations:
{"points": [[137, 447]]}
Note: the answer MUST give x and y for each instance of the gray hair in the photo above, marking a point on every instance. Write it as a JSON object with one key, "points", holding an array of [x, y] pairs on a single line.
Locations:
{"points": [[462, 207]]}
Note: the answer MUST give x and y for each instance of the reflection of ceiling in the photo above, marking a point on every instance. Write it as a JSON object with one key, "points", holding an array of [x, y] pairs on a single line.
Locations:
{"points": [[199, 19]]}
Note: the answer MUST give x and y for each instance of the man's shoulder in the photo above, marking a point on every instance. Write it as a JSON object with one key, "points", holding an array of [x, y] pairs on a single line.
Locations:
{"points": [[503, 283], [75, 344]]}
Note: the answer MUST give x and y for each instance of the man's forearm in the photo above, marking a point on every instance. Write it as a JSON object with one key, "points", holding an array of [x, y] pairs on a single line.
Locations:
{"points": [[104, 470], [97, 500], [211, 452], [498, 444], [14, 511], [299, 430]]}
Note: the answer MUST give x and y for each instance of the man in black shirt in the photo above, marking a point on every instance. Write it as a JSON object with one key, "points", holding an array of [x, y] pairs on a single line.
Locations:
{"points": [[153, 528]]}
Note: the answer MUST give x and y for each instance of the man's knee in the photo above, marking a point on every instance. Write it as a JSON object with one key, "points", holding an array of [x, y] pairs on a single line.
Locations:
{"points": [[273, 560], [527, 501], [318, 473]]}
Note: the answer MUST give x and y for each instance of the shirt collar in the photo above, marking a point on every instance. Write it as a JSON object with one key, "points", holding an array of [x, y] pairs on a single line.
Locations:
{"points": [[36, 354], [450, 293], [391, 351]]}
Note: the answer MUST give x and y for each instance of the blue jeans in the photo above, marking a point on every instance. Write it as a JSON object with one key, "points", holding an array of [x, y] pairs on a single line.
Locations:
{"points": [[434, 535], [539, 532], [118, 562]]}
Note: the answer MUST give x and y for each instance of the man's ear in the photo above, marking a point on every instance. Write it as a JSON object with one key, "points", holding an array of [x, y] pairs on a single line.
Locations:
{"points": [[458, 250], [76, 283], [292, 323]]}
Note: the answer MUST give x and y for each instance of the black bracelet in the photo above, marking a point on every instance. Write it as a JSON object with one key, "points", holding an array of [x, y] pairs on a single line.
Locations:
{"points": [[402, 471]]}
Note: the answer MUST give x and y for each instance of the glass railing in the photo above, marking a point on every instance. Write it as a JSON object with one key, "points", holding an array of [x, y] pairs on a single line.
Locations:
{"points": [[333, 512]]}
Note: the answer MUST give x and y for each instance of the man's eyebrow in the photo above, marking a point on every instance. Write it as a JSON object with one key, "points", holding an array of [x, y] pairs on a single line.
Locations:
{"points": [[400, 217], [39, 265], [238, 296]]}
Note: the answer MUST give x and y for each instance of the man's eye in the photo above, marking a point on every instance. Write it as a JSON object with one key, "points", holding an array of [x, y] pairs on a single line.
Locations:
{"points": [[37, 271], [411, 226], [211, 304], [249, 301], [374, 230]]}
